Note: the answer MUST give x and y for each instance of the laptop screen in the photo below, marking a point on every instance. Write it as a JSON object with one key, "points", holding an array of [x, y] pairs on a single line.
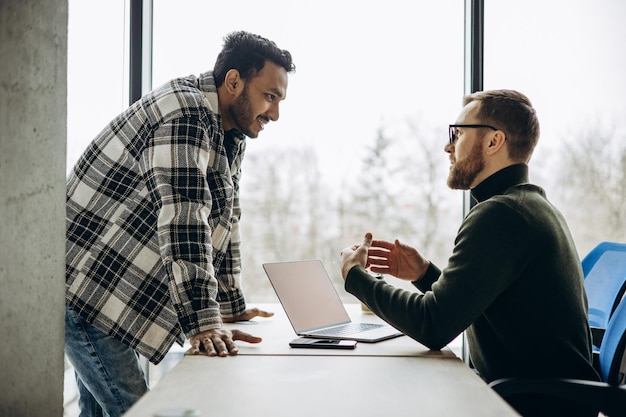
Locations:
{"points": [[307, 294]]}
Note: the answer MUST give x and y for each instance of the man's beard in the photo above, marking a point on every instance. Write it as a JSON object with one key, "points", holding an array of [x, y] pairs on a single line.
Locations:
{"points": [[463, 173], [241, 113]]}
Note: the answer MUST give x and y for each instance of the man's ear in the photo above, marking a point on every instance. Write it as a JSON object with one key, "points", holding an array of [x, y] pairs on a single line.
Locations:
{"points": [[233, 81], [496, 142]]}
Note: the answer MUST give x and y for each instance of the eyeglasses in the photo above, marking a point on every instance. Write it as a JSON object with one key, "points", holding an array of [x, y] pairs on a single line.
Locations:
{"points": [[452, 130]]}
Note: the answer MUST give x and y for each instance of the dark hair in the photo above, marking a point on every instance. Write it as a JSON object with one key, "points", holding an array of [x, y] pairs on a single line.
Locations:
{"points": [[513, 113], [247, 53]]}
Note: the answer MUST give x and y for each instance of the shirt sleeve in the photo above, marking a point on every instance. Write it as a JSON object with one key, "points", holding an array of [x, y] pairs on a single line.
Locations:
{"points": [[175, 161], [230, 294]]}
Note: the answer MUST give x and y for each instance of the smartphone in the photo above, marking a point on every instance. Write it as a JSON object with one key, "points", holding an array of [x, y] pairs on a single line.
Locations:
{"points": [[303, 342]]}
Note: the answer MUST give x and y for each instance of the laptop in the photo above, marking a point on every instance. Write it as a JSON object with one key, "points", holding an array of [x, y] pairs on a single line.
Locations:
{"points": [[313, 306]]}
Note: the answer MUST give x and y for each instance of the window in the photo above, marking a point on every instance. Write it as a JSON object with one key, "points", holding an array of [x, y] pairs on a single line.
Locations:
{"points": [[568, 58], [95, 71], [95, 84], [359, 144]]}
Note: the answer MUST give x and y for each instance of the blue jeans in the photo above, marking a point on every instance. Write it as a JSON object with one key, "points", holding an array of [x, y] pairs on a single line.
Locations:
{"points": [[108, 373]]}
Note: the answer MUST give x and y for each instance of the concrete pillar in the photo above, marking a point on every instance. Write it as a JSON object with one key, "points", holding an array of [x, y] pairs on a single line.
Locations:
{"points": [[33, 91]]}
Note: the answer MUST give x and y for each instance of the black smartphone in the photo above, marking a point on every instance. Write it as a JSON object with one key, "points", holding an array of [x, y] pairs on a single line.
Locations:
{"points": [[303, 342]]}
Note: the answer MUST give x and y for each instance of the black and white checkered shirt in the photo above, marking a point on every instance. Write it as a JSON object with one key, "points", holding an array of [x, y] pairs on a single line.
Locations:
{"points": [[153, 220]]}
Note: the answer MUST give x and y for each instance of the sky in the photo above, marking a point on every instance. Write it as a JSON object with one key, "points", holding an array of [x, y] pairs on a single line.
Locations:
{"points": [[358, 67], [361, 66]]}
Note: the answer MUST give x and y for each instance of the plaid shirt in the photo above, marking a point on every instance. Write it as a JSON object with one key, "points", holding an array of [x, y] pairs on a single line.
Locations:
{"points": [[153, 221]]}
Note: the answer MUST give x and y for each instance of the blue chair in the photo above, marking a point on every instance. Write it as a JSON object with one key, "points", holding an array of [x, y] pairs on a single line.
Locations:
{"points": [[604, 269], [608, 396]]}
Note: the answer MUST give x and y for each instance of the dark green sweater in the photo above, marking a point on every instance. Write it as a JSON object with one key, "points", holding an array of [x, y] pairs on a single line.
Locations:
{"points": [[514, 282]]}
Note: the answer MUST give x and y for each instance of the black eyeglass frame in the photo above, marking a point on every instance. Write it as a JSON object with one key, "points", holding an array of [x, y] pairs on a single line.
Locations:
{"points": [[452, 135]]}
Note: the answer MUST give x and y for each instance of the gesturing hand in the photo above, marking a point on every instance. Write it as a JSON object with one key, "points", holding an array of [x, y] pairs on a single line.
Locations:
{"points": [[355, 255], [397, 259]]}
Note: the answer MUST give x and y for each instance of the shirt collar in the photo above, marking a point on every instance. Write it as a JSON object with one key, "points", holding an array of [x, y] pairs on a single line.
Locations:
{"points": [[206, 84], [500, 181]]}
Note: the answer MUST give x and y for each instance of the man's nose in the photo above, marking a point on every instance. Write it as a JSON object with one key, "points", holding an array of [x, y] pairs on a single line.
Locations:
{"points": [[273, 113]]}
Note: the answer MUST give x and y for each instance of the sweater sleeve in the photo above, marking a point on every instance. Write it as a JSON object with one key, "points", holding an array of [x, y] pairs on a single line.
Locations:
{"points": [[486, 258], [430, 277]]}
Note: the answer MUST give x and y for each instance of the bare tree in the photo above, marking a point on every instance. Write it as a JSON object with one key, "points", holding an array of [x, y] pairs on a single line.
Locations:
{"points": [[264, 209], [592, 186], [284, 212], [288, 213], [402, 193], [433, 210], [371, 203]]}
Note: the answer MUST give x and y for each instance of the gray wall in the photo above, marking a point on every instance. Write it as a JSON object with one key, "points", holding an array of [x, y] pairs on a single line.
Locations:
{"points": [[33, 91]]}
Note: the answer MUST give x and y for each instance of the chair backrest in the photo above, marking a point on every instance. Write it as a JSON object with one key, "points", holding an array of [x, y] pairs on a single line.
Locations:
{"points": [[604, 268], [613, 350]]}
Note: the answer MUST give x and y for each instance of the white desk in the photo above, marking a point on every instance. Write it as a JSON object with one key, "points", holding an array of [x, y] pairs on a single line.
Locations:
{"points": [[277, 333], [397, 377]]}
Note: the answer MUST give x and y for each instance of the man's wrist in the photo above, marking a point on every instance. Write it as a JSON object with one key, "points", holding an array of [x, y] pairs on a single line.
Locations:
{"points": [[345, 269]]}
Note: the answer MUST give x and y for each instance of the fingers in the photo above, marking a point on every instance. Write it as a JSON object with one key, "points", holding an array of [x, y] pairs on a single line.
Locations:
{"points": [[378, 256], [195, 347], [256, 312], [212, 346], [382, 244], [380, 269], [217, 342], [367, 242], [247, 315], [378, 253], [246, 337], [400, 245], [217, 345], [230, 347]]}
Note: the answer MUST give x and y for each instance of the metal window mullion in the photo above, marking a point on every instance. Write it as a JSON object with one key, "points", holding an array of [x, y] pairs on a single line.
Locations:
{"points": [[473, 81], [140, 49]]}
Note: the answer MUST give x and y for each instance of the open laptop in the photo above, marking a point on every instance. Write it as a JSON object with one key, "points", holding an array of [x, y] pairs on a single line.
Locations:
{"points": [[313, 306]]}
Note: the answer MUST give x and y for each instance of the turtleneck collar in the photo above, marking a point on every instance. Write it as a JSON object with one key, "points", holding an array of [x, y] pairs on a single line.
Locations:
{"points": [[500, 181]]}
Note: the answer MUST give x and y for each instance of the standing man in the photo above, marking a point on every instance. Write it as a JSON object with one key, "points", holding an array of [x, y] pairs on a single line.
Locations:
{"points": [[514, 280], [153, 223]]}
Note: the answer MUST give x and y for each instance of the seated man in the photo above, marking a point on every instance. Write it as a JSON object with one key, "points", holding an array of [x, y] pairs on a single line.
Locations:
{"points": [[514, 280]]}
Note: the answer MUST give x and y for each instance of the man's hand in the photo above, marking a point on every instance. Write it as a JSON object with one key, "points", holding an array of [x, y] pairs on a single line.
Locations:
{"points": [[355, 255], [247, 315], [397, 259], [219, 342]]}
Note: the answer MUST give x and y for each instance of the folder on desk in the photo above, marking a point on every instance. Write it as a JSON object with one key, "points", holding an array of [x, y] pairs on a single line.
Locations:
{"points": [[313, 306]]}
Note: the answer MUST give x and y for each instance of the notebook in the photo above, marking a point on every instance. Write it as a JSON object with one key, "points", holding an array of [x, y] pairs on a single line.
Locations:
{"points": [[313, 306]]}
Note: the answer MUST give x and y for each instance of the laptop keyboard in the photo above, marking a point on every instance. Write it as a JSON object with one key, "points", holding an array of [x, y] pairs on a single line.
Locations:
{"points": [[347, 329]]}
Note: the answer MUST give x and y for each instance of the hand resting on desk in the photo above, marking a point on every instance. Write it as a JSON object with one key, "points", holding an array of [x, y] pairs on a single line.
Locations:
{"points": [[248, 315], [221, 342]]}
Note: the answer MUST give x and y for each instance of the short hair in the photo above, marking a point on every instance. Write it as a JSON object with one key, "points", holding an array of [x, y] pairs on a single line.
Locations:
{"points": [[513, 113], [247, 53]]}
